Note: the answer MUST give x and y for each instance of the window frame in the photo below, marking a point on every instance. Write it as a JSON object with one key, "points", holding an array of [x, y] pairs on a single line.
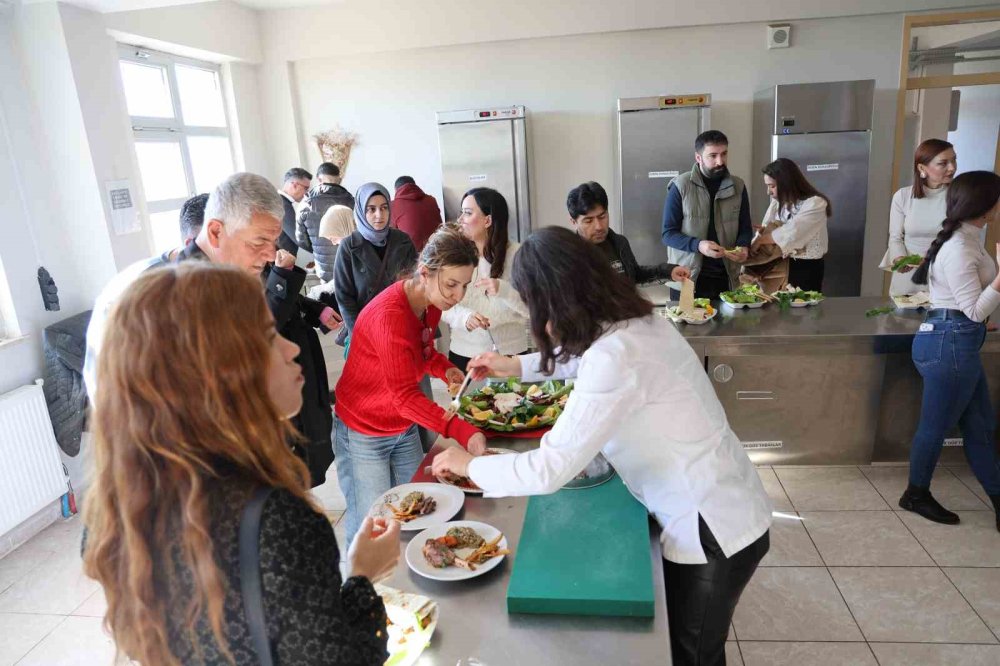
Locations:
{"points": [[174, 130]]}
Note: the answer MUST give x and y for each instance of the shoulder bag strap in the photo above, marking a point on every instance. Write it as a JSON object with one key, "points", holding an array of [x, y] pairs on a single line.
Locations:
{"points": [[250, 579]]}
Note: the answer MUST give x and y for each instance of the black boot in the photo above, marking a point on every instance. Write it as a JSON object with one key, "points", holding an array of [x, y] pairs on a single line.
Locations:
{"points": [[996, 507], [920, 501]]}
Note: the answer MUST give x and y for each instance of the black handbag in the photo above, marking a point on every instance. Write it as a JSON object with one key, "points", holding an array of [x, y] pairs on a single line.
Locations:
{"points": [[250, 579]]}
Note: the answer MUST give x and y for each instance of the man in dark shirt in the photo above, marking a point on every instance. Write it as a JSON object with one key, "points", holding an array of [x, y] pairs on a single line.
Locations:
{"points": [[588, 213], [707, 211], [294, 187]]}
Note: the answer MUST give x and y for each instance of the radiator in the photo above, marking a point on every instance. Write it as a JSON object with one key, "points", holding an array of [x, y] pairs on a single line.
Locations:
{"points": [[31, 472]]}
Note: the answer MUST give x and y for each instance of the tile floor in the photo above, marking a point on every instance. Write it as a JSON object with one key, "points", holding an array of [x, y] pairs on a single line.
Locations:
{"points": [[849, 580]]}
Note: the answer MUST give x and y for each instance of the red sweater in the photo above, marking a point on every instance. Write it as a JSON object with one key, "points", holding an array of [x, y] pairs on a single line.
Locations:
{"points": [[379, 392], [416, 213]]}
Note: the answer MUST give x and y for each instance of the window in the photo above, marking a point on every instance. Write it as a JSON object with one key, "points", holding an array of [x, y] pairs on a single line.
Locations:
{"points": [[181, 133]]}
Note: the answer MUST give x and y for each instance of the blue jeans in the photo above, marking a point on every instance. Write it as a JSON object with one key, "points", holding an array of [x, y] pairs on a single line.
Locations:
{"points": [[955, 393], [369, 465]]}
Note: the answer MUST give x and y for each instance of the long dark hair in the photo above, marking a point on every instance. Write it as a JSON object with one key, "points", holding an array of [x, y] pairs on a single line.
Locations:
{"points": [[792, 185], [572, 293], [971, 195], [493, 204], [924, 155]]}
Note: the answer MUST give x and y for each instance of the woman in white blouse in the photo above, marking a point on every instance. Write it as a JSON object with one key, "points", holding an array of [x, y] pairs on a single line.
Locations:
{"points": [[796, 222], [642, 398], [965, 290], [918, 210], [490, 303]]}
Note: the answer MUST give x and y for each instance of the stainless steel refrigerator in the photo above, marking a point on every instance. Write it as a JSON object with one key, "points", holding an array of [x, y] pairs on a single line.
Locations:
{"points": [[655, 145], [486, 148], [825, 128]]}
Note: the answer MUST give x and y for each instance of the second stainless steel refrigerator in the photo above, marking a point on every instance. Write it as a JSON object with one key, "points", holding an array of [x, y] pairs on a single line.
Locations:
{"points": [[825, 128]]}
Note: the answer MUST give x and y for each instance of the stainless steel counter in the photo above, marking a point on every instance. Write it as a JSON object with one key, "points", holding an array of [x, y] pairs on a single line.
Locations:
{"points": [[818, 385], [475, 629]]}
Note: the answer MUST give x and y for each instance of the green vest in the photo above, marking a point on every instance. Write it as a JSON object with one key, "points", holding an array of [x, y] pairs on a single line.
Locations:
{"points": [[696, 201]]}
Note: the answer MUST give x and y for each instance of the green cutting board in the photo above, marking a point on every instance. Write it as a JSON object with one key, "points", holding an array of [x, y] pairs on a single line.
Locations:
{"points": [[584, 552]]}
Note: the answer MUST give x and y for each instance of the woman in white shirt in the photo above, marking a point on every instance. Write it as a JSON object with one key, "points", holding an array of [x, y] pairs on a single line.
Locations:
{"points": [[918, 210], [965, 290], [642, 398], [490, 303], [796, 222]]}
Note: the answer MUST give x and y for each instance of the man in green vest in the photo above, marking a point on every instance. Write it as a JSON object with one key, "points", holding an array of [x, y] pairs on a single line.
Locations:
{"points": [[706, 219]]}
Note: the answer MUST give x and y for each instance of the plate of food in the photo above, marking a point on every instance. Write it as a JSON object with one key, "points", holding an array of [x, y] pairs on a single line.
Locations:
{"points": [[412, 619], [797, 298], [512, 405], [418, 506], [458, 550], [464, 483], [745, 296], [921, 299], [702, 314]]}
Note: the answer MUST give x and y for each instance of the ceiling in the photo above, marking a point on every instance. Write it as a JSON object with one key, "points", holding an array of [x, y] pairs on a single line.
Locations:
{"points": [[108, 6]]}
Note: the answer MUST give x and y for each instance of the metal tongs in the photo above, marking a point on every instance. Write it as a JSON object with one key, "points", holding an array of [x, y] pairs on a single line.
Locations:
{"points": [[456, 402]]}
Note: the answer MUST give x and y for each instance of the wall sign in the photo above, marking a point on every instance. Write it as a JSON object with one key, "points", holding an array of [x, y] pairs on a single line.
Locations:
{"points": [[124, 214], [477, 178]]}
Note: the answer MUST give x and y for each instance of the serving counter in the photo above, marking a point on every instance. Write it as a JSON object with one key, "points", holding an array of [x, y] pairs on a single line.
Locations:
{"points": [[822, 384], [475, 628]]}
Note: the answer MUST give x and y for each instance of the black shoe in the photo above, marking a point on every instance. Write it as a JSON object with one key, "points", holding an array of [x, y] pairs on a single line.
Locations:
{"points": [[996, 507], [920, 501]]}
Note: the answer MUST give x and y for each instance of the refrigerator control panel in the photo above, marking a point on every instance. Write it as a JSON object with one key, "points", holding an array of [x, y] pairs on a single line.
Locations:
{"points": [[686, 100]]}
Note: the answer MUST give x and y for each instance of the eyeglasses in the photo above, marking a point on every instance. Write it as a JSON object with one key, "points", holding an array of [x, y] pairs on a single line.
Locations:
{"points": [[427, 338]]}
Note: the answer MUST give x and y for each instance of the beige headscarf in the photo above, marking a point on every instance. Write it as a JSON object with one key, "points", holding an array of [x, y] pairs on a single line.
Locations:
{"points": [[337, 222]]}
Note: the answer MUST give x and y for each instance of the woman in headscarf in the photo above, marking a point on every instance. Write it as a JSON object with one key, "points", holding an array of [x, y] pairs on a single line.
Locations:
{"points": [[336, 224], [371, 258]]}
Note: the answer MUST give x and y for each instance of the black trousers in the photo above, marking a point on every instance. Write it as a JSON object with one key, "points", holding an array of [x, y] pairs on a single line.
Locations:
{"points": [[701, 599], [706, 286], [806, 274]]}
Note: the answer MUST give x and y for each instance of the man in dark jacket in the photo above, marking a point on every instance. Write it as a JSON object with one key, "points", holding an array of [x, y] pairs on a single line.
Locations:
{"points": [[414, 212], [293, 189], [588, 212], [328, 193]]}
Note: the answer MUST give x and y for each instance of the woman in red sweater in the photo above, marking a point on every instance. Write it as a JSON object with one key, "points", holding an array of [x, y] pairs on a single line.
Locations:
{"points": [[379, 403]]}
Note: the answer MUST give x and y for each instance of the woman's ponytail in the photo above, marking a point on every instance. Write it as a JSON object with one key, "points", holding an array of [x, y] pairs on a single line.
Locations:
{"points": [[948, 228]]}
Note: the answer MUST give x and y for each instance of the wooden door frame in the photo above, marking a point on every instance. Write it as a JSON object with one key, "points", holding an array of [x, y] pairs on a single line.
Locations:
{"points": [[907, 83]]}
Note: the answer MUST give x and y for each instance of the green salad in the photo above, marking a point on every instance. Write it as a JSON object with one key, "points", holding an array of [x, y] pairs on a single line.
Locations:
{"points": [[908, 260], [748, 293], [786, 298], [511, 405]]}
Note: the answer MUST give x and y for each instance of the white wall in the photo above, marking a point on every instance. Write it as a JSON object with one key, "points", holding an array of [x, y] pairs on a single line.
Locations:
{"points": [[570, 85], [246, 123], [978, 120]]}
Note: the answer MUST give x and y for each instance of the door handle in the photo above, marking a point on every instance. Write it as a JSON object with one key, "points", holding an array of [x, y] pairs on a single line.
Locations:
{"points": [[755, 395]]}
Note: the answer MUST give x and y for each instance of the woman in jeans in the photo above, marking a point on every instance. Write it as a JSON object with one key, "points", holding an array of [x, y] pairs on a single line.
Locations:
{"points": [[192, 420], [379, 402], [642, 398], [965, 289], [491, 303], [801, 212]]}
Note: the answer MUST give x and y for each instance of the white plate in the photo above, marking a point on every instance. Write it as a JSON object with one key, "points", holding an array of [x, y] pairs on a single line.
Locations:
{"points": [[805, 304], [407, 640], [737, 306], [415, 556], [449, 501], [904, 302], [694, 322], [470, 491]]}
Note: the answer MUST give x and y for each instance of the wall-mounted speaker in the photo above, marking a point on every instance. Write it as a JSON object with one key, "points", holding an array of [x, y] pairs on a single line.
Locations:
{"points": [[779, 36]]}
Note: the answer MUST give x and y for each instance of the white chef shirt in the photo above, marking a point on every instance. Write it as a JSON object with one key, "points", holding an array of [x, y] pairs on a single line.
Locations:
{"points": [[961, 274], [643, 398]]}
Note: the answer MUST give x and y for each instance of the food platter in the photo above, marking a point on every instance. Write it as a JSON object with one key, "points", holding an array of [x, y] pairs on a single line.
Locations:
{"points": [[448, 501], [745, 296], [420, 564], [797, 298], [412, 621], [921, 299], [702, 314], [464, 483], [513, 406]]}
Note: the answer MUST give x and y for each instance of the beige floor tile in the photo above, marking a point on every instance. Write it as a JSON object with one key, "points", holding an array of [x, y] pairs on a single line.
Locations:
{"points": [[914, 654], [790, 544], [329, 494], [864, 538], [19, 563], [57, 587], [793, 604], [733, 657], [96, 605], [19, 632], [77, 641], [806, 654], [774, 490], [946, 487], [964, 474], [981, 588], [829, 489], [909, 604], [974, 542]]}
